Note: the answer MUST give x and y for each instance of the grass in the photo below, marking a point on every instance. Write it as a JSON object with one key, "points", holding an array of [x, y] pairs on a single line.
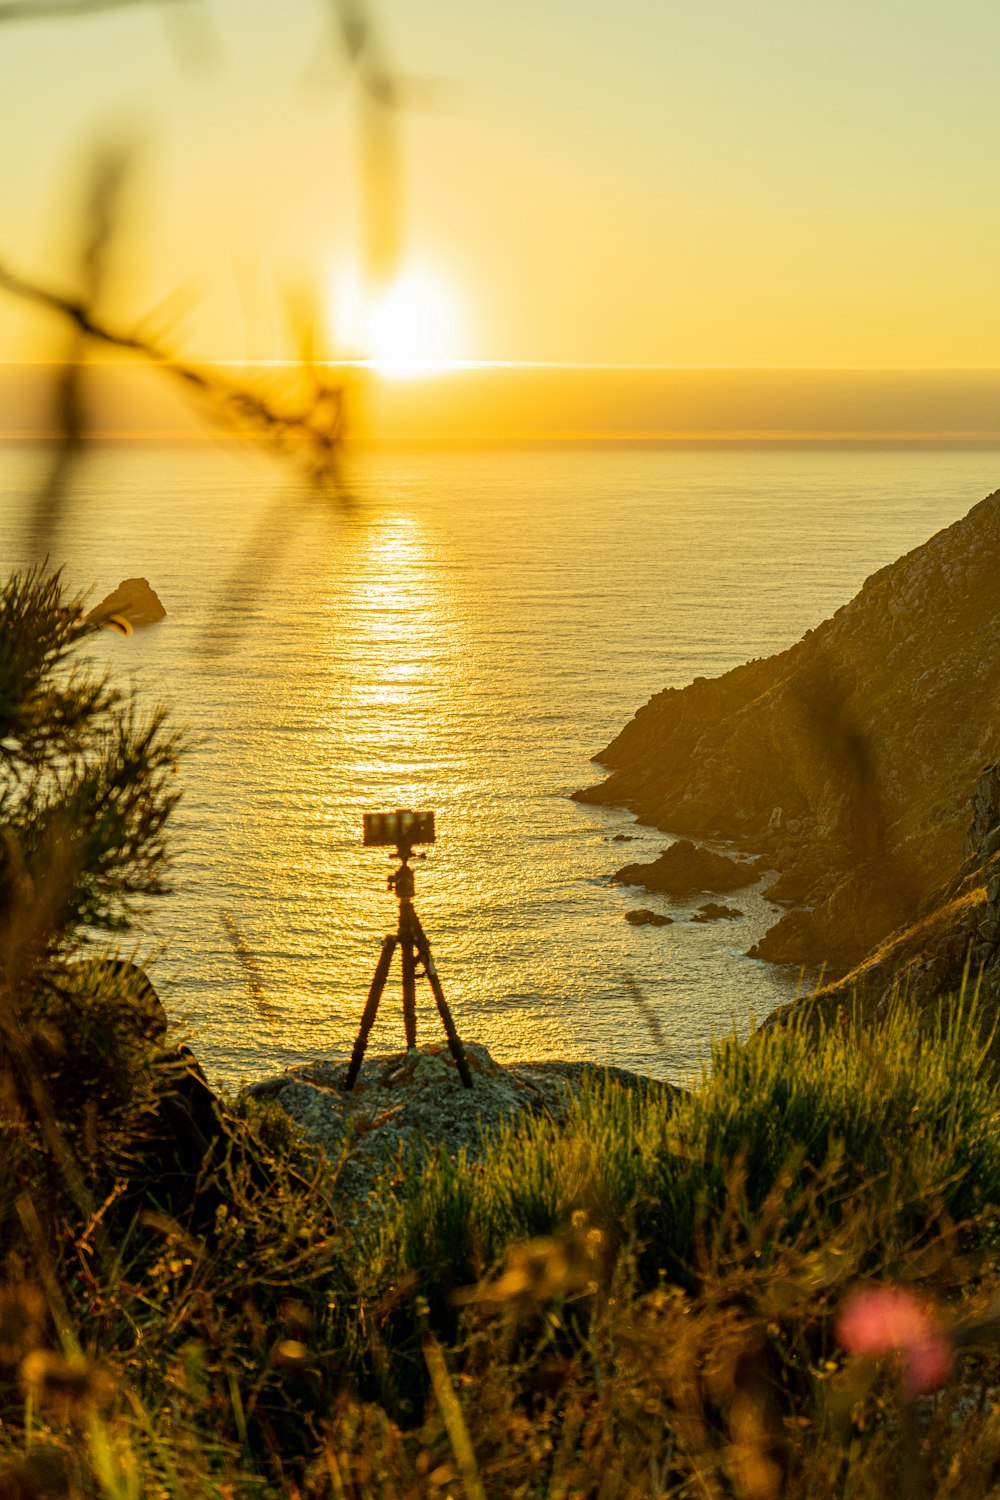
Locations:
{"points": [[641, 1302]]}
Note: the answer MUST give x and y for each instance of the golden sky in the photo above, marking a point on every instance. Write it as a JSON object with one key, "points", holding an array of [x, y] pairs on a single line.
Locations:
{"points": [[779, 183]]}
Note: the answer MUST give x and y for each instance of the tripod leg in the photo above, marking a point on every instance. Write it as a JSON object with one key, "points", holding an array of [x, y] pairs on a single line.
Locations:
{"points": [[406, 938], [371, 1009], [454, 1040]]}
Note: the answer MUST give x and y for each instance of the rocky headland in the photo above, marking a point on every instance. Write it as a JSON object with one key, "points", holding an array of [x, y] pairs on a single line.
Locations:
{"points": [[845, 763]]}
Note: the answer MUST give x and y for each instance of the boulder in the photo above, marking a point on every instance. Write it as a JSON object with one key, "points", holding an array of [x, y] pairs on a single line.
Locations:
{"points": [[641, 916], [407, 1105], [713, 912], [685, 867], [131, 606]]}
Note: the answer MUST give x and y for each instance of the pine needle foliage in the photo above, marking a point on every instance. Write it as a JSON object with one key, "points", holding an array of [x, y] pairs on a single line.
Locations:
{"points": [[87, 784]]}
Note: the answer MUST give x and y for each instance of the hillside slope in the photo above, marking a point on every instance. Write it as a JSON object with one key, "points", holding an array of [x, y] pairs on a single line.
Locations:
{"points": [[956, 942], [846, 760]]}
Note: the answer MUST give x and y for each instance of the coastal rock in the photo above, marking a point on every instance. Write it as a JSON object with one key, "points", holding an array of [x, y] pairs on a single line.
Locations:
{"points": [[985, 824], [684, 868], [641, 916], [845, 762], [713, 912], [406, 1105], [131, 606], [955, 943]]}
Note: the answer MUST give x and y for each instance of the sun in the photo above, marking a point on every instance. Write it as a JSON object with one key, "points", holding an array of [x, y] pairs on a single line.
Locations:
{"points": [[407, 328]]}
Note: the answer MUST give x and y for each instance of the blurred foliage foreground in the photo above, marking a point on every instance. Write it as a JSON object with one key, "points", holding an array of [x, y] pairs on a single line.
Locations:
{"points": [[646, 1302]]}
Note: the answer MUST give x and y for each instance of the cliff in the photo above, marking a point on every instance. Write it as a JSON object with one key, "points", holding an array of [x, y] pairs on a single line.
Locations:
{"points": [[845, 761], [956, 942]]}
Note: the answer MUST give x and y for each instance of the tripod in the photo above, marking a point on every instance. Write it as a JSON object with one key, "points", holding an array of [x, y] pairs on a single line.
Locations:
{"points": [[412, 939]]}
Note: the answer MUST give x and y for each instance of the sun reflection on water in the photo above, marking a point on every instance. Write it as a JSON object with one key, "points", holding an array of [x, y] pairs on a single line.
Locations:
{"points": [[402, 719], [463, 638]]}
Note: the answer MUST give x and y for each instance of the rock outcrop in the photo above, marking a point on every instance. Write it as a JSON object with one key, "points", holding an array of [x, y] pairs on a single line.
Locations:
{"points": [[405, 1105], [131, 606], [685, 868], [844, 762], [957, 942]]}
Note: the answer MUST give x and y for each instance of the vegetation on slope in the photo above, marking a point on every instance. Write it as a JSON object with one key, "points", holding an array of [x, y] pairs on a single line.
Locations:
{"points": [[641, 1301]]}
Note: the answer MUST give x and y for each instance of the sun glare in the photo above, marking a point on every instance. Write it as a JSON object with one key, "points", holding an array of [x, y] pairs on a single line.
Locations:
{"points": [[407, 328]]}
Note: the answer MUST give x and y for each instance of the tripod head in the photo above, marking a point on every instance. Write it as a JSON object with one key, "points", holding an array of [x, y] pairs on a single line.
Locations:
{"points": [[401, 881], [404, 828]]}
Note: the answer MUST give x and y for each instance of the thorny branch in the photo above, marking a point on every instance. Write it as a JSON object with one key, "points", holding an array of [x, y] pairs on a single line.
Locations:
{"points": [[309, 423], [109, 174], [317, 426]]}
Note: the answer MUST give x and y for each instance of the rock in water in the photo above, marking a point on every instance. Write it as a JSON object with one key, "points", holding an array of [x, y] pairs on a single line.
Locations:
{"points": [[643, 917], [685, 868], [712, 911], [846, 761], [132, 606], [406, 1105]]}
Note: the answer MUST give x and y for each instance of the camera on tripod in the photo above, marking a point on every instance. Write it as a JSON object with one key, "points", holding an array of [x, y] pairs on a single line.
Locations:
{"points": [[402, 828]]}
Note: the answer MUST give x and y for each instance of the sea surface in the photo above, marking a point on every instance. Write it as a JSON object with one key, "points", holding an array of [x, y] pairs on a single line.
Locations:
{"points": [[462, 634]]}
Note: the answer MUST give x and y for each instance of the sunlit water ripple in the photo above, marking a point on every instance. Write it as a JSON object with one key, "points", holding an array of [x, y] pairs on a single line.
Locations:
{"points": [[464, 636]]}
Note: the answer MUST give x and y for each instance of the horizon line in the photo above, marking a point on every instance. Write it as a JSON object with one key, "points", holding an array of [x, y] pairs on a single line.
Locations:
{"points": [[433, 367], [716, 437]]}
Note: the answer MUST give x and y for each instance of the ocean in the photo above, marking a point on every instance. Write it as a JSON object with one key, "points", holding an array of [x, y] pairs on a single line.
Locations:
{"points": [[462, 633]]}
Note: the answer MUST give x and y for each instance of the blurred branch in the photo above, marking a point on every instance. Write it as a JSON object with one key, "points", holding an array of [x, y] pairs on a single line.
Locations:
{"points": [[103, 204], [251, 969], [312, 429], [650, 1019], [192, 38], [307, 418], [380, 102], [48, 10], [363, 47]]}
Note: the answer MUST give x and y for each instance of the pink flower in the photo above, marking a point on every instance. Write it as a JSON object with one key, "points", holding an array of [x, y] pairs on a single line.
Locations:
{"points": [[881, 1320]]}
